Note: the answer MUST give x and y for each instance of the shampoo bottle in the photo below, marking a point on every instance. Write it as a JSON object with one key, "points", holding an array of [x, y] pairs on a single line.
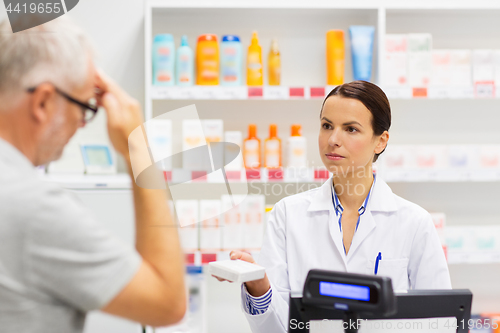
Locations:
{"points": [[274, 65], [254, 62], [272, 149], [335, 57], [207, 60], [297, 149], [230, 61], [184, 72], [163, 60], [251, 148]]}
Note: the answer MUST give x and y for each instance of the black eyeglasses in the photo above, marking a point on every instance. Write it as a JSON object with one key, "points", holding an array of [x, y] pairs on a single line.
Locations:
{"points": [[89, 109]]}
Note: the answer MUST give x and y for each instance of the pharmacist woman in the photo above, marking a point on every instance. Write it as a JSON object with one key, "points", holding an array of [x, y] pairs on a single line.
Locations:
{"points": [[349, 221]]}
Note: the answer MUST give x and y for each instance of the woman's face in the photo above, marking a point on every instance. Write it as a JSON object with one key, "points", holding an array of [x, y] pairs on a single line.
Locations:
{"points": [[346, 140]]}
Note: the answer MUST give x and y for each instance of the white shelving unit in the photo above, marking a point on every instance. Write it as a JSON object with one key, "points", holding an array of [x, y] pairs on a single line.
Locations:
{"points": [[445, 116]]}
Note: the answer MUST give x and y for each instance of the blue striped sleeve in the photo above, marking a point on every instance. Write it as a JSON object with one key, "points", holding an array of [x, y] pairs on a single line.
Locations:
{"points": [[257, 305]]}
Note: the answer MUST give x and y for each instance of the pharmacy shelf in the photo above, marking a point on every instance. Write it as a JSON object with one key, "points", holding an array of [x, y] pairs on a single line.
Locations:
{"points": [[325, 4], [191, 18], [473, 257], [238, 93], [90, 182], [458, 257], [264, 176], [305, 93]]}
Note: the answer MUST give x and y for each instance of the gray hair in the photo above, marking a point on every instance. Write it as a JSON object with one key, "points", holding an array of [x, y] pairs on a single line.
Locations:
{"points": [[57, 52]]}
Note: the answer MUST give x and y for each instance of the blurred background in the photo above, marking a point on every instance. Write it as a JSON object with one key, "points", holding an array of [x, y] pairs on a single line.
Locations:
{"points": [[437, 61]]}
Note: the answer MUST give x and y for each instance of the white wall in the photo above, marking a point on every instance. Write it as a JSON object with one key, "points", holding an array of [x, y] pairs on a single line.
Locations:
{"points": [[117, 30]]}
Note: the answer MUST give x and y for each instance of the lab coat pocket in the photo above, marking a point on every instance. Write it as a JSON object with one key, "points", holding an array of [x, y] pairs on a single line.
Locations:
{"points": [[396, 269]]}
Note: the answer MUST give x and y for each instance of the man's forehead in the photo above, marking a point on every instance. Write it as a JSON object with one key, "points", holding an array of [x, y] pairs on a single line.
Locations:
{"points": [[86, 89]]}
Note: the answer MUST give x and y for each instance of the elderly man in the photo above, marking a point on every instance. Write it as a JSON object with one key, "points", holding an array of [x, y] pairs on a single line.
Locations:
{"points": [[56, 262]]}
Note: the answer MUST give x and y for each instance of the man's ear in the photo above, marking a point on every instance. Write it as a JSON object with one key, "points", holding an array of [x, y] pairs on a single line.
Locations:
{"points": [[43, 102], [382, 142]]}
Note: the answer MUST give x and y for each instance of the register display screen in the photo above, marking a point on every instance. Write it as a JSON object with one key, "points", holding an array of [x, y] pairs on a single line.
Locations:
{"points": [[98, 156], [350, 291]]}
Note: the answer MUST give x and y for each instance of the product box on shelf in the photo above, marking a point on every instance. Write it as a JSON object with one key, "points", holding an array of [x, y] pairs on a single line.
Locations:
{"points": [[440, 163], [459, 243], [483, 75], [232, 223], [192, 137], [419, 59], [159, 134], [482, 66], [210, 231], [439, 220], [232, 163], [430, 156], [473, 244], [213, 129], [461, 67], [487, 239], [413, 162], [253, 217], [395, 163], [461, 162], [487, 166], [496, 68], [489, 156], [188, 217], [396, 60], [441, 68]]}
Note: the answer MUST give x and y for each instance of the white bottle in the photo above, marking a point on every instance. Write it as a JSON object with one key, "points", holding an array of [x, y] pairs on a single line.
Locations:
{"points": [[185, 64], [296, 151]]}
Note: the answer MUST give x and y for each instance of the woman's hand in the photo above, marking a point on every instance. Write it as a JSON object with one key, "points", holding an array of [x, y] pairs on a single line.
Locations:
{"points": [[255, 288]]}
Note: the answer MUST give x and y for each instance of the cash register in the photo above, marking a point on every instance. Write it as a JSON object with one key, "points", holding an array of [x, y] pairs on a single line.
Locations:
{"points": [[353, 298]]}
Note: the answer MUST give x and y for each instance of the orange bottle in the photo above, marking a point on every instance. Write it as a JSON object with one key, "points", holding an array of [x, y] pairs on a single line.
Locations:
{"points": [[254, 62], [272, 149], [251, 148], [274, 65], [207, 60], [335, 57]]}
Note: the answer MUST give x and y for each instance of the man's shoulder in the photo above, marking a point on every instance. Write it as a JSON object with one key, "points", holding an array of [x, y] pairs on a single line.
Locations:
{"points": [[28, 197]]}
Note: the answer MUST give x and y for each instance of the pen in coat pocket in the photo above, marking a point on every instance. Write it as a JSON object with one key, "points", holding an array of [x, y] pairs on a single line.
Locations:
{"points": [[379, 257]]}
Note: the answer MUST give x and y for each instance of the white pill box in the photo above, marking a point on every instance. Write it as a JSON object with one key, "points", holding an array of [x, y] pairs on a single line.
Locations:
{"points": [[236, 270]]}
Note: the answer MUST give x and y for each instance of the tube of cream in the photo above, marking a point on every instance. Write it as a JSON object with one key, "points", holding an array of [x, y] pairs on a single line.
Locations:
{"points": [[362, 51]]}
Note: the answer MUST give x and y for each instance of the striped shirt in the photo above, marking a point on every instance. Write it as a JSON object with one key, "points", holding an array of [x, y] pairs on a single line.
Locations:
{"points": [[257, 305], [339, 209]]}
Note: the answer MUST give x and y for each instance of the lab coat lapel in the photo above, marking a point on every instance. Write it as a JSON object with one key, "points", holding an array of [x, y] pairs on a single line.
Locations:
{"points": [[336, 234], [365, 227], [381, 200], [322, 201]]}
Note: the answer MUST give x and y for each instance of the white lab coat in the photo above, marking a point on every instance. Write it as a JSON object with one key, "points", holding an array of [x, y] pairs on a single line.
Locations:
{"points": [[303, 233]]}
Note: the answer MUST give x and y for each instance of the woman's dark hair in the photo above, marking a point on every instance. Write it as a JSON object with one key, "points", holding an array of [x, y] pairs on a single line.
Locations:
{"points": [[373, 98]]}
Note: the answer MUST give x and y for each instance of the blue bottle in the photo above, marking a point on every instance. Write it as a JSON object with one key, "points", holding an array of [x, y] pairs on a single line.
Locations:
{"points": [[163, 60], [184, 73], [362, 51], [230, 61]]}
